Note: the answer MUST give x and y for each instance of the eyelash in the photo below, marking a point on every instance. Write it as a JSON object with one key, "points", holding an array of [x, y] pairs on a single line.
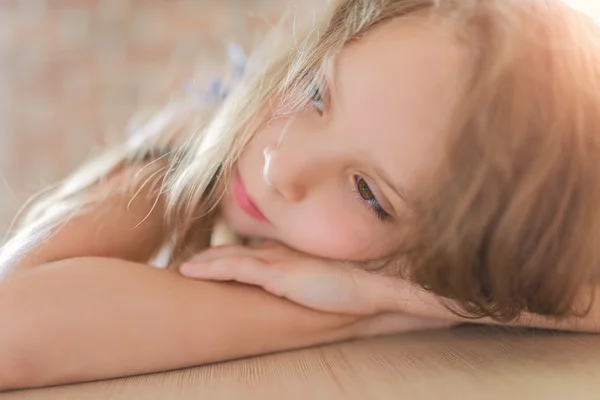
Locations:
{"points": [[373, 204], [316, 99]]}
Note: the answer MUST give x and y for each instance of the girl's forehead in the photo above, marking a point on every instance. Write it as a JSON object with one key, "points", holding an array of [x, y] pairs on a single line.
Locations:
{"points": [[403, 71], [421, 37], [395, 91]]}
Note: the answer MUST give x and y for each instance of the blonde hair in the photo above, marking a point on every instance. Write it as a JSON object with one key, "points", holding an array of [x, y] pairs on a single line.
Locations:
{"points": [[511, 220]]}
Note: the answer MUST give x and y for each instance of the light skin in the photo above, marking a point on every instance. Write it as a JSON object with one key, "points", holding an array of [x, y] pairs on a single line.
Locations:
{"points": [[104, 313], [88, 290], [395, 90], [322, 176], [91, 274], [83, 305], [335, 180]]}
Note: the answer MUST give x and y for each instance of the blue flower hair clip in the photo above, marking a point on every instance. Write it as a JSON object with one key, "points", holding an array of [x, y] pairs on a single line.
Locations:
{"points": [[218, 89]]}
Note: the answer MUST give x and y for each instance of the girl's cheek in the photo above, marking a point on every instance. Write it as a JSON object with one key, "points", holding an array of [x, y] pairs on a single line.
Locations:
{"points": [[334, 235]]}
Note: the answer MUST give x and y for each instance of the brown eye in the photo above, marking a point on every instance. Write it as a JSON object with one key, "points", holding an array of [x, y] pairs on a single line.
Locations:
{"points": [[364, 190], [366, 196]]}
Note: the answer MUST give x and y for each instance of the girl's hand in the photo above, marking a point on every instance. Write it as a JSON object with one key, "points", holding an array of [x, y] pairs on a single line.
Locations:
{"points": [[325, 285]]}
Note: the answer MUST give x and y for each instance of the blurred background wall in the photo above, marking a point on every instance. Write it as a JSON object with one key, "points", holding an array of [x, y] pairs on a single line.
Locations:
{"points": [[72, 72]]}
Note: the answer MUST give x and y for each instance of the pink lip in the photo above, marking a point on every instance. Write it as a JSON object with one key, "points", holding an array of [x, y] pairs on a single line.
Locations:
{"points": [[244, 201]]}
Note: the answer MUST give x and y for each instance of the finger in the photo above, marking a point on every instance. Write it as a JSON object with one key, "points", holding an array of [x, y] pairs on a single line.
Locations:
{"points": [[227, 251], [266, 245], [267, 251], [248, 270]]}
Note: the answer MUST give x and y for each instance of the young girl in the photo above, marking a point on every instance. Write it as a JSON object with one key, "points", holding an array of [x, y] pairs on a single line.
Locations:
{"points": [[406, 164]]}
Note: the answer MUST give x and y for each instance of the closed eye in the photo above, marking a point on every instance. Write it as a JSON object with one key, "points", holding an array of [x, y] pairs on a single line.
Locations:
{"points": [[316, 99]]}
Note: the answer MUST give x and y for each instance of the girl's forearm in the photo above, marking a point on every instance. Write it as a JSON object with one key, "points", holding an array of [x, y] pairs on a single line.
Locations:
{"points": [[419, 302], [95, 318]]}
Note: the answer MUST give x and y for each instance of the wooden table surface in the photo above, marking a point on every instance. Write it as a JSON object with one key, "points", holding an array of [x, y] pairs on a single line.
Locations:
{"points": [[463, 363]]}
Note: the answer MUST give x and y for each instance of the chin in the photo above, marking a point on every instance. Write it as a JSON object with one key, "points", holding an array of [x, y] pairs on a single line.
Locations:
{"points": [[243, 225], [245, 230]]}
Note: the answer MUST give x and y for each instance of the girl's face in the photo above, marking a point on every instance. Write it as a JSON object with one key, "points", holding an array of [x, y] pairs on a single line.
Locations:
{"points": [[333, 180]]}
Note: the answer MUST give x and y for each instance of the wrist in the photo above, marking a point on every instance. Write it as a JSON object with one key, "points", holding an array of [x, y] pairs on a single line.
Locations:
{"points": [[395, 323], [409, 298]]}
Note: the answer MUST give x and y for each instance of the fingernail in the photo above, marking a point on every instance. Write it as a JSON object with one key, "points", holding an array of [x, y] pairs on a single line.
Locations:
{"points": [[187, 269]]}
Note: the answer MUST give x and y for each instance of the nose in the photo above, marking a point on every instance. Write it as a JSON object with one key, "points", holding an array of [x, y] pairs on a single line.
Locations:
{"points": [[286, 172]]}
